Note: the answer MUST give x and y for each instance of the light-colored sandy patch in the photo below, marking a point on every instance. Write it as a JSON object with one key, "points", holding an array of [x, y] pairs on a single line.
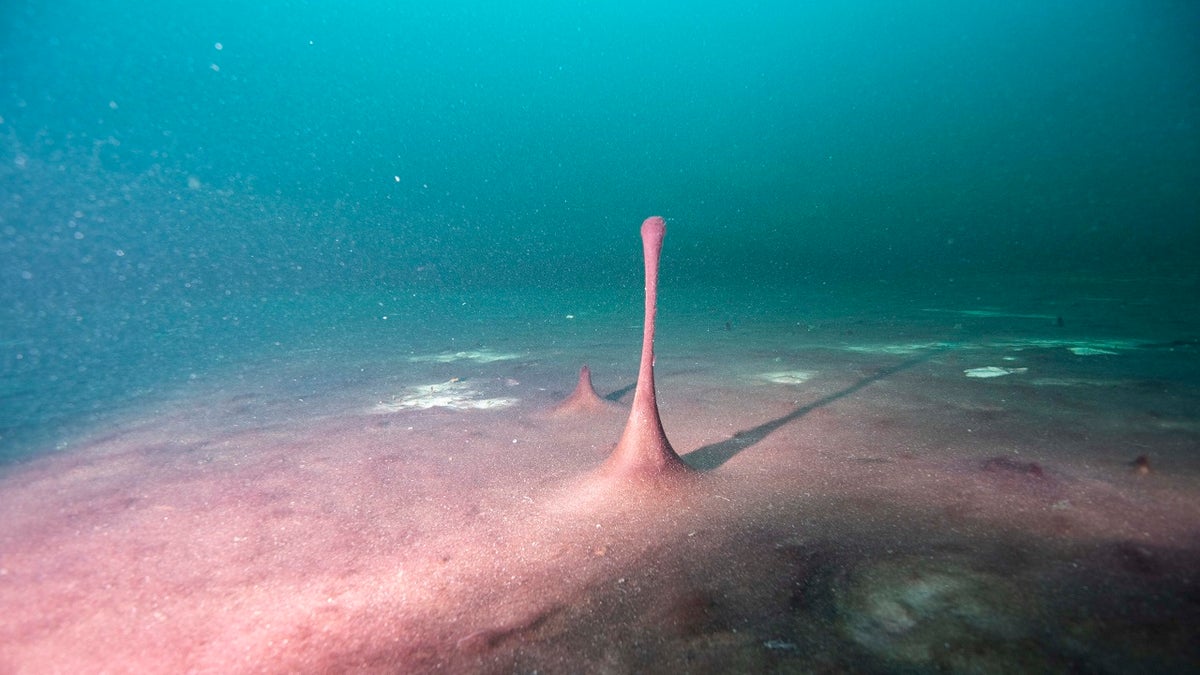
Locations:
{"points": [[1085, 347], [1090, 351], [453, 394], [1077, 347], [788, 376], [476, 355], [992, 371], [901, 350]]}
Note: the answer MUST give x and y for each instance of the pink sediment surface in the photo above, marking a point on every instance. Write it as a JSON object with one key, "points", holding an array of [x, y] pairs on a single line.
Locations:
{"points": [[427, 540]]}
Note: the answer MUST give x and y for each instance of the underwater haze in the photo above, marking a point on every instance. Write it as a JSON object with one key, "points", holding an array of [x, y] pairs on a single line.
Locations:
{"points": [[175, 174], [838, 138]]}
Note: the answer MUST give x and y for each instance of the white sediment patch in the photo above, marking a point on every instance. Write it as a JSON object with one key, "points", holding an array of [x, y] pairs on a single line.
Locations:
{"points": [[992, 371], [902, 350], [477, 355], [1079, 347], [454, 394], [1090, 351], [788, 376]]}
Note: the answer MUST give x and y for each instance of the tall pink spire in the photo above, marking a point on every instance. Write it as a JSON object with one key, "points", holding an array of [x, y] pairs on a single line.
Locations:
{"points": [[644, 451]]}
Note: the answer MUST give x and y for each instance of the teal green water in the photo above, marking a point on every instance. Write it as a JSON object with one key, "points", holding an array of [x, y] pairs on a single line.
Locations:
{"points": [[172, 171]]}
